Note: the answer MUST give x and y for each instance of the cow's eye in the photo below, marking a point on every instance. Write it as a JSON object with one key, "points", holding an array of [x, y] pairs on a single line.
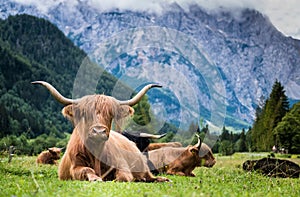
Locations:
{"points": [[193, 151]]}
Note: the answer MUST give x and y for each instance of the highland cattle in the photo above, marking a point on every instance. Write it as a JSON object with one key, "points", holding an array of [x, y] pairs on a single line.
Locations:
{"points": [[92, 118]]}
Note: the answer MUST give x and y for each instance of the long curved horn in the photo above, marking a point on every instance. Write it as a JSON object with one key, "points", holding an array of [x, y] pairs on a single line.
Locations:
{"points": [[198, 145], [139, 96], [151, 136], [60, 98]]}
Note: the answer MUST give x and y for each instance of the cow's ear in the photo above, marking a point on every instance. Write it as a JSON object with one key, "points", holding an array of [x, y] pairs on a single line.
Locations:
{"points": [[125, 111], [131, 111], [67, 111]]}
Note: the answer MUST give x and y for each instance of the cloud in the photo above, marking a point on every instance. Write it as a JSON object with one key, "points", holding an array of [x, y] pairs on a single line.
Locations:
{"points": [[285, 15], [46, 5]]}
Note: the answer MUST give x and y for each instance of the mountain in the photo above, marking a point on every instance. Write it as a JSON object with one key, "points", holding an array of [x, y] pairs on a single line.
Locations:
{"points": [[214, 65]]}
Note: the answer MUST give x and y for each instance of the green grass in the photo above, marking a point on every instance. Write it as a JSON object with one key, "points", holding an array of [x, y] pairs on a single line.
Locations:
{"points": [[22, 177]]}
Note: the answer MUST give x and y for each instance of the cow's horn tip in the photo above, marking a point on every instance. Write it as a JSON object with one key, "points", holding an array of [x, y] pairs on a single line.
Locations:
{"points": [[157, 85], [164, 134], [36, 82]]}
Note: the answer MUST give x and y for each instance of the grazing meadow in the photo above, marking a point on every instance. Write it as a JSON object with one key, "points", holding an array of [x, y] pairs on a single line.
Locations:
{"points": [[22, 177]]}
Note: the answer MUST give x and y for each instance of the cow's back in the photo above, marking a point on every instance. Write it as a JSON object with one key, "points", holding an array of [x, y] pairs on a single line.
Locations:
{"points": [[46, 157], [164, 156], [154, 146], [43, 157]]}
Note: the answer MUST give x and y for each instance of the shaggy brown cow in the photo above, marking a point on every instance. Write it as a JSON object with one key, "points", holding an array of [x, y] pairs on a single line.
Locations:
{"points": [[49, 156], [153, 146], [182, 160], [92, 118]]}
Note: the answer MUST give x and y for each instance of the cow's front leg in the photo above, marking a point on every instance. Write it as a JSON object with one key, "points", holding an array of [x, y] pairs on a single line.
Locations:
{"points": [[162, 179], [151, 178], [173, 172], [84, 174], [123, 175], [93, 177]]}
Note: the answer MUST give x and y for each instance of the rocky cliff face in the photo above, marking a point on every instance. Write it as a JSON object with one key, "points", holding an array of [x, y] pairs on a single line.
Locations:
{"points": [[213, 64]]}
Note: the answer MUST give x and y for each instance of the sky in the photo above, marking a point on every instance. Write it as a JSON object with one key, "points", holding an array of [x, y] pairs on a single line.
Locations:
{"points": [[284, 14]]}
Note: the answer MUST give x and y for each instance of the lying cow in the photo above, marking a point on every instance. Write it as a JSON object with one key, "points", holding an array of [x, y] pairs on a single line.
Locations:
{"points": [[49, 156], [142, 140], [92, 118], [153, 146], [273, 167], [182, 160]]}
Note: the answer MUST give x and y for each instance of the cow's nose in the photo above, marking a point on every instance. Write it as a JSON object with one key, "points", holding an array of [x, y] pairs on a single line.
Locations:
{"points": [[212, 163], [100, 130]]}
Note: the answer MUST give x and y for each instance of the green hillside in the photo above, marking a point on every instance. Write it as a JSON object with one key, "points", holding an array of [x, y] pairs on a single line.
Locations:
{"points": [[34, 49]]}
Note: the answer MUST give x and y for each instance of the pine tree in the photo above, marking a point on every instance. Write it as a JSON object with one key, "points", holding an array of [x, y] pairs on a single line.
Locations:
{"points": [[276, 109], [267, 119], [242, 142], [249, 139], [225, 135]]}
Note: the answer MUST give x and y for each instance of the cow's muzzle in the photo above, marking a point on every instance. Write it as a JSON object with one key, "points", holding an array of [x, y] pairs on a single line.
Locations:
{"points": [[99, 132]]}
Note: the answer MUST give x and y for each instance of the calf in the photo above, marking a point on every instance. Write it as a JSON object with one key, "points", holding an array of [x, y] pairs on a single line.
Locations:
{"points": [[273, 167], [49, 156]]}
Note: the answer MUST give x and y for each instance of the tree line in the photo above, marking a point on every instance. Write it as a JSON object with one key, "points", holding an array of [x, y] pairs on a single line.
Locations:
{"points": [[276, 125]]}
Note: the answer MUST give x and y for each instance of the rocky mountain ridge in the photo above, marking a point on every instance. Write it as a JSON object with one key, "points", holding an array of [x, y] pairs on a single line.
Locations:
{"points": [[248, 53]]}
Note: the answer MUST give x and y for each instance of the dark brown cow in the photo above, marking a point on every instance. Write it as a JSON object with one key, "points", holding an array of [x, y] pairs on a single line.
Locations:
{"points": [[92, 118], [49, 156], [273, 167], [182, 160], [153, 146], [142, 140]]}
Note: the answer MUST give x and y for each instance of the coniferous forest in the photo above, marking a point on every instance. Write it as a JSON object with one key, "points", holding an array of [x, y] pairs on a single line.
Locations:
{"points": [[34, 49]]}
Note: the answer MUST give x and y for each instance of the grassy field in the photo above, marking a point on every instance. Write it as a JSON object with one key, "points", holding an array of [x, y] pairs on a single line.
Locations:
{"points": [[22, 177]]}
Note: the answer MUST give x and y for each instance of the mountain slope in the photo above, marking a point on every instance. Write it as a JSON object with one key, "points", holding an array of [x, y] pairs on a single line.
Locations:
{"points": [[34, 49]]}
